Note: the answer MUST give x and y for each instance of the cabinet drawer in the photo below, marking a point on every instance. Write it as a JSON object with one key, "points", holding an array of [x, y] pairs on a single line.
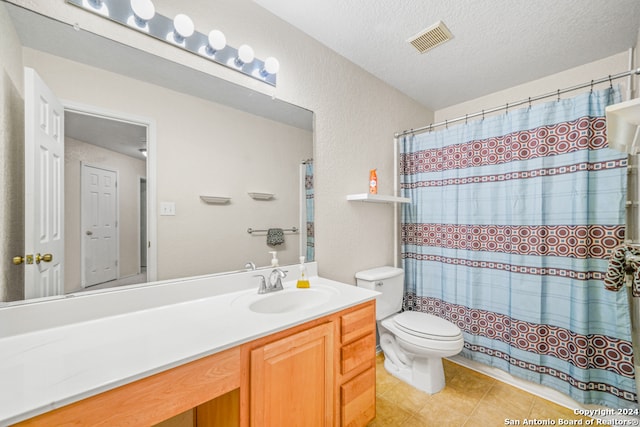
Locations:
{"points": [[357, 353], [358, 399], [358, 323]]}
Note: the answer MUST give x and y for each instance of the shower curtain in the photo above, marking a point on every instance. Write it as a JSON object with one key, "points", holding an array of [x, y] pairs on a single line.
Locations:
{"points": [[508, 235], [309, 194]]}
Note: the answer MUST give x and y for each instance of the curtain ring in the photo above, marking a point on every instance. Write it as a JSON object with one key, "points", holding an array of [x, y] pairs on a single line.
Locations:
{"points": [[591, 86], [430, 127], [482, 114], [558, 95], [529, 103], [610, 82], [466, 117], [446, 124], [506, 109]]}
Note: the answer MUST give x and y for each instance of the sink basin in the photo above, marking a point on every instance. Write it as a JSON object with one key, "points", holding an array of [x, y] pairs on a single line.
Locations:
{"points": [[292, 300]]}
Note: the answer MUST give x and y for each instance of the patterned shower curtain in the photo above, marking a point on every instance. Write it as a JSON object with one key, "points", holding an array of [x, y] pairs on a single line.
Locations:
{"points": [[508, 235], [309, 193]]}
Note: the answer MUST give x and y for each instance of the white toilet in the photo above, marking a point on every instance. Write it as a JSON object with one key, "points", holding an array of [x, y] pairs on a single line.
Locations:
{"points": [[413, 343]]}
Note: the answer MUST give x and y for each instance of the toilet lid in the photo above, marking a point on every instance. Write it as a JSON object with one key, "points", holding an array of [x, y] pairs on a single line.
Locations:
{"points": [[426, 325]]}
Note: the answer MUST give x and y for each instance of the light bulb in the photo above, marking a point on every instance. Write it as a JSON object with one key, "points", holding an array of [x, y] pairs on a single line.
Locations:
{"points": [[97, 6], [183, 25], [217, 40], [143, 9], [271, 66], [245, 55]]}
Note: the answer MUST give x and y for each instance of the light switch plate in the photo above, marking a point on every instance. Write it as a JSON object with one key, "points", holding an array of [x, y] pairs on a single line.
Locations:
{"points": [[167, 208]]}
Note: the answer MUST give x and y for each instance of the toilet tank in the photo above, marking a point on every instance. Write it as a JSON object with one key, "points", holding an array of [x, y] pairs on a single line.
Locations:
{"points": [[389, 281]]}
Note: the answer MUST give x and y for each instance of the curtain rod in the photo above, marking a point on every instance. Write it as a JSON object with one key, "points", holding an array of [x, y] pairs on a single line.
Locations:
{"points": [[524, 101]]}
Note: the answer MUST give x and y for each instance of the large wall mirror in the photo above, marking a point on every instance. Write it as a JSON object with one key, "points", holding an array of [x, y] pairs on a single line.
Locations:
{"points": [[168, 172]]}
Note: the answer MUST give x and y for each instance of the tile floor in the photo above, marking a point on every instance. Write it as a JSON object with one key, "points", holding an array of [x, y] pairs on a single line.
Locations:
{"points": [[469, 399]]}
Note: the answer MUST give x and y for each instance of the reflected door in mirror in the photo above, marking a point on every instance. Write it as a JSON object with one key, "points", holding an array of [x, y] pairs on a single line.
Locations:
{"points": [[99, 223]]}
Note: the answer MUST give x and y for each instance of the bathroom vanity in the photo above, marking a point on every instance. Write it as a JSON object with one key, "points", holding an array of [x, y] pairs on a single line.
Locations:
{"points": [[219, 350]]}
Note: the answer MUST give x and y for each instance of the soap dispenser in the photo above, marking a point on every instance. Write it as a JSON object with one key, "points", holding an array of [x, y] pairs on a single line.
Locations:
{"points": [[303, 282], [274, 259]]}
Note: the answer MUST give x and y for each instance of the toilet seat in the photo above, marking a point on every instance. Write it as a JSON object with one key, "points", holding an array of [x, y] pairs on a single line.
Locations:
{"points": [[428, 341], [427, 326]]}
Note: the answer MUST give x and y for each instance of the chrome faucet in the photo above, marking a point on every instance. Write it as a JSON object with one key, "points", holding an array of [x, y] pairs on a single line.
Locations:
{"points": [[262, 289], [275, 281]]}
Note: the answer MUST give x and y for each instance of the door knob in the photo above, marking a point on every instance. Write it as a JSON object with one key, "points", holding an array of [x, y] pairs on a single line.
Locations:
{"points": [[45, 258], [28, 259]]}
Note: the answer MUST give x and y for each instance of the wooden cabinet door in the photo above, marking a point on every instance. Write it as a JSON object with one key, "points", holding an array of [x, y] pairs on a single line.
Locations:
{"points": [[292, 380]]}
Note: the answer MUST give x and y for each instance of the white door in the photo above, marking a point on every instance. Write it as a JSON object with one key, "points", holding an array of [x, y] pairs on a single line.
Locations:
{"points": [[99, 212], [44, 184]]}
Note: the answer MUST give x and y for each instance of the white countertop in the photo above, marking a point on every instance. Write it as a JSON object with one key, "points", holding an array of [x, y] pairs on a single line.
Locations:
{"points": [[43, 368]]}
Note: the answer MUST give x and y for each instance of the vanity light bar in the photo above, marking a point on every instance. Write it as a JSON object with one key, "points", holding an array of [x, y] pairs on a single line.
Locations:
{"points": [[179, 32]]}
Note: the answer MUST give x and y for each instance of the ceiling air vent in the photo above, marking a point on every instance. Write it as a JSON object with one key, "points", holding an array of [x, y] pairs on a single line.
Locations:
{"points": [[433, 36]]}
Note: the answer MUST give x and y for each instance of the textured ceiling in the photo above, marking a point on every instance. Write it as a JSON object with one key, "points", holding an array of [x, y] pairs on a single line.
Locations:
{"points": [[497, 44], [114, 135]]}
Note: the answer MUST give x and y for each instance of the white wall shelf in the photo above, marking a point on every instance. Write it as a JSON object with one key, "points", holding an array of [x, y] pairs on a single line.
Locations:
{"points": [[215, 200], [262, 196], [377, 198]]}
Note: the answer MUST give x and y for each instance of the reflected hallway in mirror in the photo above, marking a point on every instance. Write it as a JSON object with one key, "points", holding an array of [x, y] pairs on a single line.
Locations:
{"points": [[105, 201]]}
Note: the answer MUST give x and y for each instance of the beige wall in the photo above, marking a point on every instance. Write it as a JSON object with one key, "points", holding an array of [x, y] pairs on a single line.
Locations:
{"points": [[11, 161], [575, 76], [356, 116], [636, 65], [203, 148], [129, 171]]}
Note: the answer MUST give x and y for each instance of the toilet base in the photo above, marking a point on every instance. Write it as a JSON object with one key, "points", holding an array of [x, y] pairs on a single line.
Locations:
{"points": [[416, 360], [425, 374]]}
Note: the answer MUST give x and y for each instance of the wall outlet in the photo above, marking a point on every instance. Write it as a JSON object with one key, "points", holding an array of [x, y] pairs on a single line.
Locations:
{"points": [[167, 208]]}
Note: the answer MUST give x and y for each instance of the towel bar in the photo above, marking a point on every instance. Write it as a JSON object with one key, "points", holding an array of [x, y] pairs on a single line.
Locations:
{"points": [[251, 230]]}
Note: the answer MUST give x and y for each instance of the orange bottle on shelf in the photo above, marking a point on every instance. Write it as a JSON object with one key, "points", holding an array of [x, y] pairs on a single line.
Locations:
{"points": [[373, 182]]}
